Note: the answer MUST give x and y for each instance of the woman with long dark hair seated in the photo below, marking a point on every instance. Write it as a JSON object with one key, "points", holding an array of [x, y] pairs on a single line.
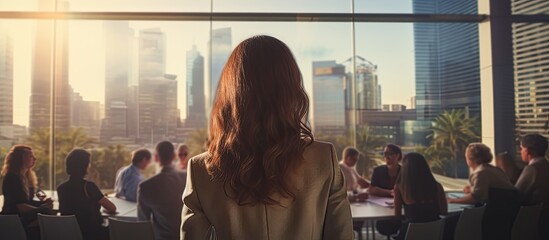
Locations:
{"points": [[263, 176], [19, 186], [83, 198], [417, 191]]}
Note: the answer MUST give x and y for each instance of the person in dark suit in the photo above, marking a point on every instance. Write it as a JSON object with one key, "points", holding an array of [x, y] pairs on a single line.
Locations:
{"points": [[159, 197], [533, 183]]}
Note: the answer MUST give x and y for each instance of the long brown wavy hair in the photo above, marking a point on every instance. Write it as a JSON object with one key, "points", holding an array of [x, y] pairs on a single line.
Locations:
{"points": [[13, 162], [258, 129], [416, 181]]}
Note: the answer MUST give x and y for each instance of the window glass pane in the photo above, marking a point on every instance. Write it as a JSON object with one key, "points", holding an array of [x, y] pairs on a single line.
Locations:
{"points": [[320, 59], [409, 77], [128, 85], [324, 6], [134, 6], [25, 92], [530, 7], [417, 6], [531, 65]]}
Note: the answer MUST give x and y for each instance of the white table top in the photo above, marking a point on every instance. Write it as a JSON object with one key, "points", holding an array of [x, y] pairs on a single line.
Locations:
{"points": [[123, 207], [372, 209]]}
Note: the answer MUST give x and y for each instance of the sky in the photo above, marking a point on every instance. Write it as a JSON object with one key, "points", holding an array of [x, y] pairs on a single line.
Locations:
{"points": [[388, 45]]}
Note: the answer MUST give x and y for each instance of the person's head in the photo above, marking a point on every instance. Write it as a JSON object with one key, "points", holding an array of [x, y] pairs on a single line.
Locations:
{"points": [[141, 158], [165, 153], [532, 146], [257, 128], [392, 154], [19, 159], [77, 163], [477, 154], [350, 156], [416, 182], [183, 155]]}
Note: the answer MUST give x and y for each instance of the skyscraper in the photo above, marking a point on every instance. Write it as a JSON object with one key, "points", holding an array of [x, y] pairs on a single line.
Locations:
{"points": [[368, 90], [221, 48], [446, 58], [531, 66], [6, 78], [157, 111], [42, 67], [328, 115], [118, 51], [196, 108]]}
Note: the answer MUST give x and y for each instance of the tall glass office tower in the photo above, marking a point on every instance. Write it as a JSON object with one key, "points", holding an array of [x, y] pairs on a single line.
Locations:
{"points": [[221, 47], [328, 97], [196, 109], [531, 66], [447, 60]]}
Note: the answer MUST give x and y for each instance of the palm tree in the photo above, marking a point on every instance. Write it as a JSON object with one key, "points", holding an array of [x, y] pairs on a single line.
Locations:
{"points": [[453, 130], [368, 143]]}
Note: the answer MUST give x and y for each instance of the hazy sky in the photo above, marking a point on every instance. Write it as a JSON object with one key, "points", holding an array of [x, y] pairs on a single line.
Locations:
{"points": [[388, 45]]}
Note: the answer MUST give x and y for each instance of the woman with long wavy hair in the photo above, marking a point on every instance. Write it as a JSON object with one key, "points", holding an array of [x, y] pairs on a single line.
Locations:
{"points": [[19, 186], [263, 176]]}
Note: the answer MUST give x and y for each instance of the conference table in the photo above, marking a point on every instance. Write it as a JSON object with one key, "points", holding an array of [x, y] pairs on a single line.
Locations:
{"points": [[125, 210], [380, 208]]}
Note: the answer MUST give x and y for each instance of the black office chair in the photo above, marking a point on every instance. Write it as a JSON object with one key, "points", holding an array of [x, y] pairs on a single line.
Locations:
{"points": [[500, 213]]}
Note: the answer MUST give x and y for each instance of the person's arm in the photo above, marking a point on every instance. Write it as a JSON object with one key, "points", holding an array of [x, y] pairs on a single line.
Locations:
{"points": [[143, 210], [467, 199], [338, 223], [194, 223], [441, 199], [95, 193], [108, 205], [363, 183], [398, 203]]}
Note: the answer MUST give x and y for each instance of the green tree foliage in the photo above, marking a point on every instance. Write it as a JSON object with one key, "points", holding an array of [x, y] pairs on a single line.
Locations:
{"points": [[197, 141], [369, 144], [106, 162], [452, 131]]}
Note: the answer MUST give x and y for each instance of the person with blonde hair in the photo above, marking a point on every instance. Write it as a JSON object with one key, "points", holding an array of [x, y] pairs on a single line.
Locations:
{"points": [[263, 176], [19, 186], [484, 176]]}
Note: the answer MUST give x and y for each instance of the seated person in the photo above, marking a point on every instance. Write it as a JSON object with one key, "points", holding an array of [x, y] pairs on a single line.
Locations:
{"points": [[483, 177], [505, 162], [353, 180], [83, 198], [183, 156], [129, 177], [417, 191], [18, 186], [533, 183], [383, 182]]}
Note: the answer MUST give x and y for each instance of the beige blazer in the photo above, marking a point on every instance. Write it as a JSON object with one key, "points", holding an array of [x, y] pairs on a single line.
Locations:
{"points": [[320, 210]]}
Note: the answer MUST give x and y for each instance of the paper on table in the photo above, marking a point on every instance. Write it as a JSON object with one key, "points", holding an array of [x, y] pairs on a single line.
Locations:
{"points": [[382, 201]]}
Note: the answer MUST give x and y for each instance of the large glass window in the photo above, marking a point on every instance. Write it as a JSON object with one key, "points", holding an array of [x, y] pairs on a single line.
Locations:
{"points": [[119, 85]]}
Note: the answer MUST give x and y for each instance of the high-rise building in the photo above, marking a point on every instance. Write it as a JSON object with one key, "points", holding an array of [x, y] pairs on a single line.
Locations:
{"points": [[118, 66], [42, 75], [367, 88], [447, 60], [86, 115], [152, 53], [328, 112], [6, 78], [158, 114], [196, 108], [156, 111], [221, 47], [531, 69]]}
